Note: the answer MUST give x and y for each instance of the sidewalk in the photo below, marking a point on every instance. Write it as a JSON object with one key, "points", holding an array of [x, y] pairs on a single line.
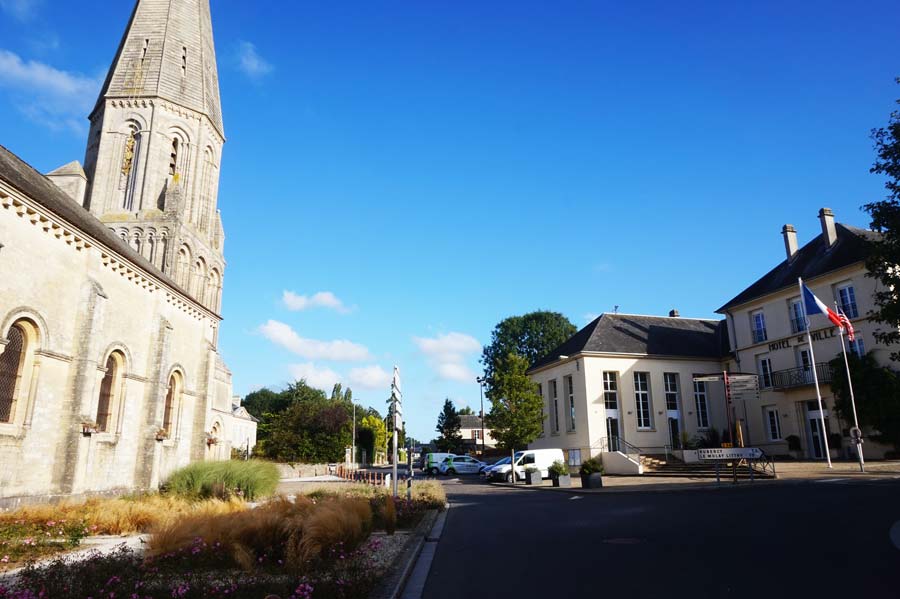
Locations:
{"points": [[788, 472]]}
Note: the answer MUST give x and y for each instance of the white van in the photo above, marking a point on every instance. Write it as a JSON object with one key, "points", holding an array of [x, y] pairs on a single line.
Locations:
{"points": [[433, 461], [541, 459]]}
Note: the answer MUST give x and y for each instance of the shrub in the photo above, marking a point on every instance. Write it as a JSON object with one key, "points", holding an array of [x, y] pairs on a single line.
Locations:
{"points": [[250, 480], [591, 466], [558, 468], [532, 469]]}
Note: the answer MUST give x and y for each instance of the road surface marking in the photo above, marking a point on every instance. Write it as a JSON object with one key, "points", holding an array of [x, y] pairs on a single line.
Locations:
{"points": [[576, 497]]}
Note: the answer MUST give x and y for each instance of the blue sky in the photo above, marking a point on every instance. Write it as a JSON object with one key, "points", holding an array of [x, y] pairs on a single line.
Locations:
{"points": [[412, 173]]}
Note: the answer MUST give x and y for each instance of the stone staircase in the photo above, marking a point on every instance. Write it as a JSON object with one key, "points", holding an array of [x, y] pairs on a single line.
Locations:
{"points": [[655, 465]]}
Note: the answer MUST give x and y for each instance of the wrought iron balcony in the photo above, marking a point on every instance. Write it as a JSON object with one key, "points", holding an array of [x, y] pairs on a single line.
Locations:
{"points": [[798, 377]]}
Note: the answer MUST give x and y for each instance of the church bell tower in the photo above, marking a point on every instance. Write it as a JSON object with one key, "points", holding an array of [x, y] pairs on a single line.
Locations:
{"points": [[155, 145]]}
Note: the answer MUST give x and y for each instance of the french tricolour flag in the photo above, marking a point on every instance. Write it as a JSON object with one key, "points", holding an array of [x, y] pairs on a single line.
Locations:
{"points": [[814, 305]]}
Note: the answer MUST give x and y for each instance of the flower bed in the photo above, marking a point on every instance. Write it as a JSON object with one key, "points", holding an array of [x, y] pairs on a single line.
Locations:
{"points": [[38, 531], [314, 546]]}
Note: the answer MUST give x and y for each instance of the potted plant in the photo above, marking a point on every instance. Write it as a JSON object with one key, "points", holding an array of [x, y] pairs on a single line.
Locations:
{"points": [[533, 475], [591, 472], [89, 427], [162, 434], [559, 474]]}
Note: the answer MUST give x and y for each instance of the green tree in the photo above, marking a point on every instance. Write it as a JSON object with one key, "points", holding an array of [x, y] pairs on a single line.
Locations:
{"points": [[312, 428], [372, 436], [515, 418], [265, 400], [465, 411], [448, 428], [877, 392], [531, 336], [885, 214]]}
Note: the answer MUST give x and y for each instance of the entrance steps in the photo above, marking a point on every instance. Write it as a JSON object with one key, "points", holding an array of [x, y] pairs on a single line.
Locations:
{"points": [[678, 469]]}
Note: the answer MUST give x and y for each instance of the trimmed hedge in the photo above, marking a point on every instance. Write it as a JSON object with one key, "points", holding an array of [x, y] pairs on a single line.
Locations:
{"points": [[250, 480]]}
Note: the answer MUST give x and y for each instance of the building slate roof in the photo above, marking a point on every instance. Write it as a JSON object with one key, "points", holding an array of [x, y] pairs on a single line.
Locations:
{"points": [[42, 190], [812, 260], [470, 421], [645, 335]]}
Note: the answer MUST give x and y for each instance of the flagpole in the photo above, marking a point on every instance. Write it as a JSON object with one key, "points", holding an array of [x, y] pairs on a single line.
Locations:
{"points": [[857, 440], [812, 358]]}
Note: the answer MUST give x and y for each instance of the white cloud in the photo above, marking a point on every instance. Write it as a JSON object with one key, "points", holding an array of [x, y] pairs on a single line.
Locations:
{"points": [[251, 63], [590, 316], [448, 353], [320, 378], [341, 350], [370, 377], [47, 95], [23, 10], [322, 299]]}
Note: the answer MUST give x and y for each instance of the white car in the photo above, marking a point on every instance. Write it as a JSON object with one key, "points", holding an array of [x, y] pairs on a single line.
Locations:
{"points": [[460, 464]]}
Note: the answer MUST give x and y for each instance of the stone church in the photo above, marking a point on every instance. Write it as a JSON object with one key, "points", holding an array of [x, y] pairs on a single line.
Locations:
{"points": [[112, 276]]}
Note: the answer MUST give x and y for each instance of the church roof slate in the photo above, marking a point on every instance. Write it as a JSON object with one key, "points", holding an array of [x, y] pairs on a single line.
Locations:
{"points": [[21, 175], [645, 335]]}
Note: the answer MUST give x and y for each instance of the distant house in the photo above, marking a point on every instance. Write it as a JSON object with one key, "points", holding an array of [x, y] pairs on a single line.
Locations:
{"points": [[471, 433], [242, 429]]}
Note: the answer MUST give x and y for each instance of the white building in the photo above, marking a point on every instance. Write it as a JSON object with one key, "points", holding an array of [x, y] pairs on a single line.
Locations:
{"points": [[628, 380], [768, 336]]}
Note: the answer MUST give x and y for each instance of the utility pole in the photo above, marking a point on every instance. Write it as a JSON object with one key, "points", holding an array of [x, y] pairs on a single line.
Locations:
{"points": [[480, 380], [353, 440]]}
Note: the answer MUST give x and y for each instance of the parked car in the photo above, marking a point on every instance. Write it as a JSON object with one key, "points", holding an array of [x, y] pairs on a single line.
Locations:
{"points": [[433, 462], [488, 470], [460, 464], [541, 459]]}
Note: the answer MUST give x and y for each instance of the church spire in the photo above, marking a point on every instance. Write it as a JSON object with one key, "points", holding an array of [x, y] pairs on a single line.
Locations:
{"points": [[155, 144], [167, 52]]}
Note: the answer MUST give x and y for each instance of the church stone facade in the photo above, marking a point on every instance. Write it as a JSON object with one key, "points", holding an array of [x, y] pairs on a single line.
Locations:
{"points": [[112, 279]]}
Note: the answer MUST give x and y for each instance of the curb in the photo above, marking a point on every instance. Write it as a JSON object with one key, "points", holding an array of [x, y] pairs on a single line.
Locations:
{"points": [[395, 578], [637, 488]]}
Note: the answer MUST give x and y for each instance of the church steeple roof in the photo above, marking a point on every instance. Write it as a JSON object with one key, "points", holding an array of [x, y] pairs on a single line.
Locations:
{"points": [[167, 52]]}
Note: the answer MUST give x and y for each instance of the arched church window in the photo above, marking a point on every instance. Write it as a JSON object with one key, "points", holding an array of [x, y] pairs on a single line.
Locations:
{"points": [[173, 157], [173, 399], [130, 156], [183, 267], [110, 392], [201, 280], [215, 288], [15, 366]]}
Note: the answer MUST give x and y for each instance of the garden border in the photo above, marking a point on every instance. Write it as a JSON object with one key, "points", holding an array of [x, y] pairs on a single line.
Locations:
{"points": [[394, 580]]}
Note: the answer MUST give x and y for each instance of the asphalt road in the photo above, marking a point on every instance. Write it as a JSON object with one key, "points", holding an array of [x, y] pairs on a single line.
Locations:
{"points": [[799, 540]]}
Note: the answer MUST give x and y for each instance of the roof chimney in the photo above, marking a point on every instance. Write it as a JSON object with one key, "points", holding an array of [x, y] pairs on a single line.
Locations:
{"points": [[790, 240], [674, 314], [829, 233]]}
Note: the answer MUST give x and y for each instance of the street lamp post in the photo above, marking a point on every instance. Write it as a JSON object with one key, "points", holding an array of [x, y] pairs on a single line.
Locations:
{"points": [[480, 380]]}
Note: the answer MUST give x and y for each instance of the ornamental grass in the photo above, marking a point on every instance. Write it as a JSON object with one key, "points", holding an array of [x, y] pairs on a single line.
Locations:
{"points": [[284, 534], [250, 480]]}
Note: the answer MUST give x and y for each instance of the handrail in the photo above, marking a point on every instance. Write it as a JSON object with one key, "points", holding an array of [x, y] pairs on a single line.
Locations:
{"points": [[765, 464]]}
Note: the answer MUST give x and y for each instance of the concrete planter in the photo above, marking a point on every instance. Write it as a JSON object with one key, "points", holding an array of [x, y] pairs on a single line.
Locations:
{"points": [[562, 481], [592, 481], [533, 478]]}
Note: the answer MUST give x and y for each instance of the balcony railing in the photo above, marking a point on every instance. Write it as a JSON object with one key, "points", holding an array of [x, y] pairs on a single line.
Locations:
{"points": [[798, 377]]}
